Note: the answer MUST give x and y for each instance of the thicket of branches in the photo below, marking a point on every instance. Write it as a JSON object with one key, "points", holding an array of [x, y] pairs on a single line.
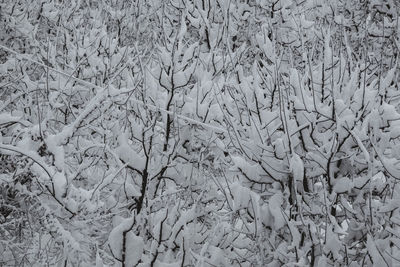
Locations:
{"points": [[199, 133]]}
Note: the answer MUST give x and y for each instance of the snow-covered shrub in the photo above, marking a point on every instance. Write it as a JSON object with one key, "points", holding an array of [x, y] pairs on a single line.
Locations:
{"points": [[199, 133]]}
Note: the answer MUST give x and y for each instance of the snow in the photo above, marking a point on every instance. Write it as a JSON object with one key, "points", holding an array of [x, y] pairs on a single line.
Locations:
{"points": [[362, 147], [189, 52], [266, 45], [96, 63], [57, 150], [390, 165], [347, 205], [388, 79], [60, 184], [72, 205], [182, 30], [379, 181], [218, 257], [389, 112], [134, 248], [332, 244], [251, 170], [297, 167], [392, 204], [8, 118], [158, 263], [67, 132], [328, 51], [99, 261], [280, 149], [296, 238], [241, 196], [220, 194], [275, 208], [306, 23], [129, 155], [134, 244], [374, 252], [132, 190], [342, 185]]}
